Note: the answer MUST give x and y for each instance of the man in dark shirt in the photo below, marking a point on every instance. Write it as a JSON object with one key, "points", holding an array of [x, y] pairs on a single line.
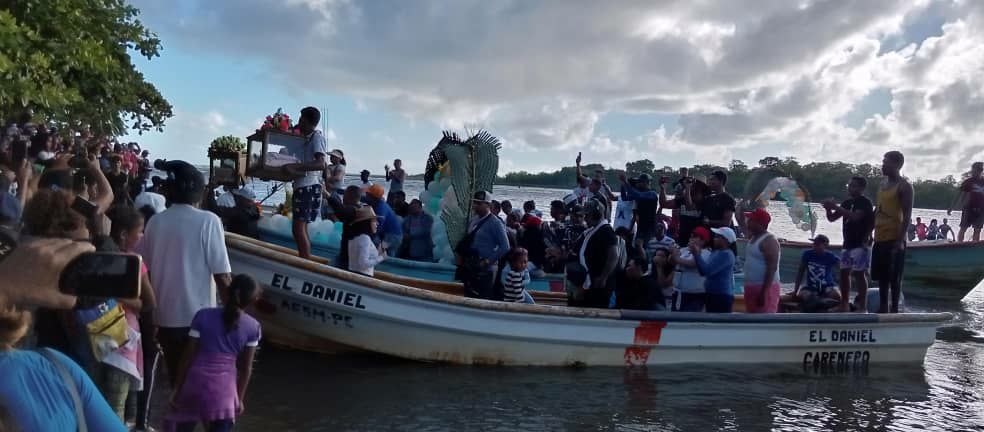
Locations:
{"points": [[972, 199], [859, 220], [688, 202], [718, 208], [597, 192], [646, 205], [637, 288], [345, 212], [598, 253]]}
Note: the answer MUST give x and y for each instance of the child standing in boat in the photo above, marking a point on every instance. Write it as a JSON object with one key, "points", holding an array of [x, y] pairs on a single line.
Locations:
{"points": [[516, 277], [217, 363]]}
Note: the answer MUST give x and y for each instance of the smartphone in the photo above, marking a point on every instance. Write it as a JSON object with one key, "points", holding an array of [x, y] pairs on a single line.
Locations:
{"points": [[102, 275], [84, 207]]}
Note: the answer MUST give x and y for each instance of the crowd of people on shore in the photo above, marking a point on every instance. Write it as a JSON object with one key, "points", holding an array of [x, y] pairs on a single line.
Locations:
{"points": [[87, 363]]}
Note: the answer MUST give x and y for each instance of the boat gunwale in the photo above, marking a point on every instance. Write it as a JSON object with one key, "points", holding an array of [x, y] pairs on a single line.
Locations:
{"points": [[274, 252]]}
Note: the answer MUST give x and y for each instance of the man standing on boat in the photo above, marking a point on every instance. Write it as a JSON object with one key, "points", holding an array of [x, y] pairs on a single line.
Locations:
{"points": [[598, 254], [345, 210], [646, 205], [396, 177], [892, 219], [859, 219], [306, 200], [761, 264], [480, 250], [718, 208], [972, 200]]}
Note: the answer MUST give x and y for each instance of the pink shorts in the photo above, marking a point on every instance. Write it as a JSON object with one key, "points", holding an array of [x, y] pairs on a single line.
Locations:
{"points": [[754, 294]]}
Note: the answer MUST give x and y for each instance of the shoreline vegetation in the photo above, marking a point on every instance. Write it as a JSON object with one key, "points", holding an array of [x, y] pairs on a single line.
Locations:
{"points": [[820, 180]]}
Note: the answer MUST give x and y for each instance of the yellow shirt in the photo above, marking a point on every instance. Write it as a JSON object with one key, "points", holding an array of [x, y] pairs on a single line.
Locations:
{"points": [[888, 216]]}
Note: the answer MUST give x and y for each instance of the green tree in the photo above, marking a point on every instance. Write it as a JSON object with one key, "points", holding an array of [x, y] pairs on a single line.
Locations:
{"points": [[68, 62], [644, 166]]}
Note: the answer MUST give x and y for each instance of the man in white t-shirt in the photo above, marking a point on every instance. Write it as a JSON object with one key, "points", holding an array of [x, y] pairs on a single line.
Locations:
{"points": [[306, 199], [185, 253]]}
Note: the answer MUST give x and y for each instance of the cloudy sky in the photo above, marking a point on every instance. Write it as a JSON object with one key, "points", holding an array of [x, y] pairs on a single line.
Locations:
{"points": [[677, 82]]}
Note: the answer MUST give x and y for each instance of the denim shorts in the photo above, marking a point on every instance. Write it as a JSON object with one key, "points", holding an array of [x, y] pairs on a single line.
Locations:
{"points": [[306, 203]]}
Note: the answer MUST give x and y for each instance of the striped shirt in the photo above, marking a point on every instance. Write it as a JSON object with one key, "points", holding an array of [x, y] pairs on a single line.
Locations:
{"points": [[514, 283]]}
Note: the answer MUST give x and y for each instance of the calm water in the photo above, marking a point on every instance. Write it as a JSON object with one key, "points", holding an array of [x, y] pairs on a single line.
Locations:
{"points": [[296, 391]]}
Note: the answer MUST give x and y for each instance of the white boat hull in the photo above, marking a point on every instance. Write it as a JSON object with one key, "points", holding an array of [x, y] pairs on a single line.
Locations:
{"points": [[407, 322]]}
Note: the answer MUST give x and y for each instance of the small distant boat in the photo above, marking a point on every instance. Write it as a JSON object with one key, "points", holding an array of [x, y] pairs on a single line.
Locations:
{"points": [[429, 322], [951, 269]]}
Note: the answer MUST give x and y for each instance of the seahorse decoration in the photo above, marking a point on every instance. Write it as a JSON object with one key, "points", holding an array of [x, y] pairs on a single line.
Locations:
{"points": [[470, 165]]}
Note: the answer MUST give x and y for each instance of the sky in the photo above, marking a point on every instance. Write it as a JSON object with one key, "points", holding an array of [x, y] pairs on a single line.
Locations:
{"points": [[678, 82]]}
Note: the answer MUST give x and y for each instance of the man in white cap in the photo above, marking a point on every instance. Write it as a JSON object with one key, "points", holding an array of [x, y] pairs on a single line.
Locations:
{"points": [[480, 250]]}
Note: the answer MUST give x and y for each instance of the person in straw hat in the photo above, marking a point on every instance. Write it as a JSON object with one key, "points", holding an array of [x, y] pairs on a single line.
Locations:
{"points": [[363, 254]]}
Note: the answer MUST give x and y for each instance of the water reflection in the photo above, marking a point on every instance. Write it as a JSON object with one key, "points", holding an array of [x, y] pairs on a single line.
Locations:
{"points": [[367, 392], [302, 391]]}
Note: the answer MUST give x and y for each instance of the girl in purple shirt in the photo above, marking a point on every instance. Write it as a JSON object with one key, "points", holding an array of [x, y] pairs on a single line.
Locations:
{"points": [[217, 363]]}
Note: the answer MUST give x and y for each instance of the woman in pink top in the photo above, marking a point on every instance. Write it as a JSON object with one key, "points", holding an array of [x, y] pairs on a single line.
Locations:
{"points": [[217, 363]]}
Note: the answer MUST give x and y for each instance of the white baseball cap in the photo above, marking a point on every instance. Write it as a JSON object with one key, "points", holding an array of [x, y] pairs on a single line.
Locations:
{"points": [[727, 233]]}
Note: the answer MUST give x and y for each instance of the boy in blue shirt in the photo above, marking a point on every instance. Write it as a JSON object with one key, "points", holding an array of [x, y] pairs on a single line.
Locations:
{"points": [[821, 269]]}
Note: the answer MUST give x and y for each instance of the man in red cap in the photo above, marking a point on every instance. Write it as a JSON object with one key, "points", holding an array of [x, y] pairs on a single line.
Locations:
{"points": [[761, 264]]}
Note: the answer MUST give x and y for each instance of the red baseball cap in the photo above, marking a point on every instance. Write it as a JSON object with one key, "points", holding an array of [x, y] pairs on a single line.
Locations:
{"points": [[760, 216], [703, 233], [532, 221]]}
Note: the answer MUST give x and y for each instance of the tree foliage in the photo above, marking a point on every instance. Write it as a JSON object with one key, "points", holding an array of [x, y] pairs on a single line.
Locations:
{"points": [[68, 62], [820, 179]]}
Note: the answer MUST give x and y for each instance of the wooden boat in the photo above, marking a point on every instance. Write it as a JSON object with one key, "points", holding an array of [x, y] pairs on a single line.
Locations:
{"points": [[937, 269], [388, 315]]}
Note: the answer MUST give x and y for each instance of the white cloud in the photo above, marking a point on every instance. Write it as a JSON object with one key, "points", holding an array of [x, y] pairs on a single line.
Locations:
{"points": [[541, 75]]}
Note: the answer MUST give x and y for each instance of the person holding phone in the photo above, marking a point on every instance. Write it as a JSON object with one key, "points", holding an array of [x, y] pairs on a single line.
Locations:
{"points": [[30, 277]]}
